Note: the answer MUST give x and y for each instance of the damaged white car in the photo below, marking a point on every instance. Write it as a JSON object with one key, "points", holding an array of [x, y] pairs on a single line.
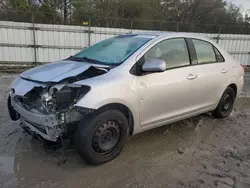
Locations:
{"points": [[124, 85]]}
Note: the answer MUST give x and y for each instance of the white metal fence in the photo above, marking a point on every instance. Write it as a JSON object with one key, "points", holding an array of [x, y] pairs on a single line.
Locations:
{"points": [[42, 43]]}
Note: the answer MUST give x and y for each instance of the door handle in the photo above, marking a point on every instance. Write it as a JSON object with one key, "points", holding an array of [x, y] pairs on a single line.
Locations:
{"points": [[224, 71], [191, 77]]}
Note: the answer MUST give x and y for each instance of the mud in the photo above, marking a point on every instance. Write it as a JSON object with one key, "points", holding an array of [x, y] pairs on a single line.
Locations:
{"points": [[197, 152]]}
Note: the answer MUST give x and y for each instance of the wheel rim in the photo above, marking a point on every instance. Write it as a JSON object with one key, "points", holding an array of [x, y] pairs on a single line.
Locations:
{"points": [[227, 103], [106, 137]]}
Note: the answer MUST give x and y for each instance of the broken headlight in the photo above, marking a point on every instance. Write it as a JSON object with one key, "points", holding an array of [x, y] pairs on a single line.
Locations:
{"points": [[69, 95], [61, 98]]}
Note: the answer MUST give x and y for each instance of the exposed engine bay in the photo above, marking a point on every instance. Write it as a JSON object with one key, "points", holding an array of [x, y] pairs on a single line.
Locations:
{"points": [[47, 109], [52, 99]]}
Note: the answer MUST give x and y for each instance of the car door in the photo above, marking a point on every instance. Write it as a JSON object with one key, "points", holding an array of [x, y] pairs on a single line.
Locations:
{"points": [[168, 95], [212, 74]]}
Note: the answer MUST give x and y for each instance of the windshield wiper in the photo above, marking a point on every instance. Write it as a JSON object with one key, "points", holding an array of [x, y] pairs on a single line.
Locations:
{"points": [[86, 59], [94, 61]]}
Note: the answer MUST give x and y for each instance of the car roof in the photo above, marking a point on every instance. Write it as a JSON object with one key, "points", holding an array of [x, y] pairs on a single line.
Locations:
{"points": [[173, 35]]}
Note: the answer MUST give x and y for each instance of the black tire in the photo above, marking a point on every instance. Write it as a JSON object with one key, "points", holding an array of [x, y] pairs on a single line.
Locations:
{"points": [[93, 141], [226, 104]]}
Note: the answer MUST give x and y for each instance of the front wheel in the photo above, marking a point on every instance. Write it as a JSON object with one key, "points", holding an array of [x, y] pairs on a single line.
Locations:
{"points": [[226, 104], [101, 138]]}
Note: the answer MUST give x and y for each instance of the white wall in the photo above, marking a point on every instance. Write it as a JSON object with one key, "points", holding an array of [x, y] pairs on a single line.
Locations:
{"points": [[60, 41]]}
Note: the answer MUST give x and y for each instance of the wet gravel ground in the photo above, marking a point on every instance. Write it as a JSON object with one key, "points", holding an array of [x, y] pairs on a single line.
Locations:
{"points": [[199, 152]]}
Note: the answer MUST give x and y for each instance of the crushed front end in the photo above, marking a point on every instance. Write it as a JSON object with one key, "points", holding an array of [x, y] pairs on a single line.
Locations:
{"points": [[46, 109]]}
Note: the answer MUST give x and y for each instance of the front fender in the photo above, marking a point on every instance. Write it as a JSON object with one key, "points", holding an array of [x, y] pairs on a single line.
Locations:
{"points": [[121, 91]]}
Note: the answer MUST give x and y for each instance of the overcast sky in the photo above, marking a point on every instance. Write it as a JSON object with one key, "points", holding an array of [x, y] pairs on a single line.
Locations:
{"points": [[245, 4]]}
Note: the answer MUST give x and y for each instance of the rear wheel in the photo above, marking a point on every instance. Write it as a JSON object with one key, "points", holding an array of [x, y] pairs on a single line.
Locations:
{"points": [[101, 138], [226, 104]]}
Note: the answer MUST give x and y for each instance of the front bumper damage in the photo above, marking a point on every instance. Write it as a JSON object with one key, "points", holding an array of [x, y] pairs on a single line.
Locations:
{"points": [[50, 126], [45, 98]]}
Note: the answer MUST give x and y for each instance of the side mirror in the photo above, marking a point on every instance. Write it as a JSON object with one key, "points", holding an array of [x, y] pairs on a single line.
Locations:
{"points": [[154, 65]]}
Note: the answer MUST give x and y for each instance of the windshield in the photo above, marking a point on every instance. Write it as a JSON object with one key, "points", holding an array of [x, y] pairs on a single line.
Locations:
{"points": [[113, 51]]}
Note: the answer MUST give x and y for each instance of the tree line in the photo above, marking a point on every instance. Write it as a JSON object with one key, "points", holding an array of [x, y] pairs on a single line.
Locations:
{"points": [[173, 15]]}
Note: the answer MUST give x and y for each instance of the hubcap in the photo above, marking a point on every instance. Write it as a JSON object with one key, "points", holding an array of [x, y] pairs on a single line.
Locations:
{"points": [[226, 102], [106, 137]]}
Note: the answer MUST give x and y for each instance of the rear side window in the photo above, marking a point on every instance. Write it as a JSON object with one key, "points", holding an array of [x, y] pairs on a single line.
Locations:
{"points": [[205, 52], [219, 57]]}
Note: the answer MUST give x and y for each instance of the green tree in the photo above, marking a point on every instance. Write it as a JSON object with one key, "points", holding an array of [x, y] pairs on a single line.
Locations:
{"points": [[191, 15], [81, 11]]}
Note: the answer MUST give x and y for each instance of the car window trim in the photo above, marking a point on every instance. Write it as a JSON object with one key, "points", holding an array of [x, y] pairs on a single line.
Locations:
{"points": [[220, 54], [192, 51], [185, 39], [205, 63]]}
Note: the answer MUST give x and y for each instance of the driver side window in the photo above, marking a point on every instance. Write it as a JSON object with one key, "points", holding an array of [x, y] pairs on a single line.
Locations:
{"points": [[173, 51]]}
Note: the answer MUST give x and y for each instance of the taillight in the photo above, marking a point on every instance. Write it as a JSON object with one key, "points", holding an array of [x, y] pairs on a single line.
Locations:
{"points": [[242, 67]]}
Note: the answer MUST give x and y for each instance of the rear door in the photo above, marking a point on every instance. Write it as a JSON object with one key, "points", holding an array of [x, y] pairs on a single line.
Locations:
{"points": [[212, 74]]}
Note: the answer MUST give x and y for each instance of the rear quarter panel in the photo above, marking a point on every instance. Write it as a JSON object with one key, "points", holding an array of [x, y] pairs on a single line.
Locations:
{"points": [[236, 72]]}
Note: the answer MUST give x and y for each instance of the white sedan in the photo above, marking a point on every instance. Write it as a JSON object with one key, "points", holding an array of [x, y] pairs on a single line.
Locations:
{"points": [[125, 85]]}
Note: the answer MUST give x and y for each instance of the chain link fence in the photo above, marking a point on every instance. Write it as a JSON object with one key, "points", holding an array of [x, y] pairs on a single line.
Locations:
{"points": [[115, 22]]}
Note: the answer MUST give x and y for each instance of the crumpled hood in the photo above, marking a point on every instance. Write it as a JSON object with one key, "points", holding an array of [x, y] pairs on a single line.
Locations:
{"points": [[55, 72]]}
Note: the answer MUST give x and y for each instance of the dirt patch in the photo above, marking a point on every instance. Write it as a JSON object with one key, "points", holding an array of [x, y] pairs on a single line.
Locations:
{"points": [[198, 152]]}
